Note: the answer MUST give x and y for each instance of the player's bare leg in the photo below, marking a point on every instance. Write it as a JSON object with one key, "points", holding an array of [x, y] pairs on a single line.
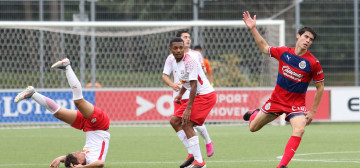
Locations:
{"points": [[65, 115], [298, 124], [85, 108], [260, 120], [193, 142]]}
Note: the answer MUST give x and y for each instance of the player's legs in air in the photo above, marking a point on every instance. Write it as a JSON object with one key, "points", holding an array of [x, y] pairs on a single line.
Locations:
{"points": [[65, 115], [85, 107]]}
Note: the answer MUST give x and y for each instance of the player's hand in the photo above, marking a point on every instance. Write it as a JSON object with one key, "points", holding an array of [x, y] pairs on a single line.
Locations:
{"points": [[178, 99], [55, 163], [176, 86], [186, 116], [250, 22], [309, 117]]}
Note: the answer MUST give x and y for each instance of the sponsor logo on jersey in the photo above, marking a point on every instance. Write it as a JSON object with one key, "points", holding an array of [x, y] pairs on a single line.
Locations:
{"points": [[302, 65], [288, 72], [267, 106]]}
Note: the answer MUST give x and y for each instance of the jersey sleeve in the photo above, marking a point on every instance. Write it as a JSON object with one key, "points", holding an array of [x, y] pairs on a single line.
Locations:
{"points": [[167, 67], [191, 66], [276, 52], [317, 72]]}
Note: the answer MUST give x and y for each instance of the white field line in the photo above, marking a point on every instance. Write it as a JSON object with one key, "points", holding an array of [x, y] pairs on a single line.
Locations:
{"points": [[222, 161]]}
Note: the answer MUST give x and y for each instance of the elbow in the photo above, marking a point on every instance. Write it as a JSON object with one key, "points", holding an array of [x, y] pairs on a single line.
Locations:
{"points": [[101, 163]]}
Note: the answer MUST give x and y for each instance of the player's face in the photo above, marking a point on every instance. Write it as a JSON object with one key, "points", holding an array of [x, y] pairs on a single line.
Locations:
{"points": [[80, 157], [305, 40], [187, 39], [177, 49]]}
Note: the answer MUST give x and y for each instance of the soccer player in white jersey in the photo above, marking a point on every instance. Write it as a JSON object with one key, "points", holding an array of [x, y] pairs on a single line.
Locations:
{"points": [[176, 121], [92, 120], [202, 97]]}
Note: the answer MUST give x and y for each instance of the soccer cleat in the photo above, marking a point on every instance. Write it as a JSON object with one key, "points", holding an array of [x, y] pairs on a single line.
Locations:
{"points": [[27, 93], [196, 164], [283, 167], [209, 149], [247, 115], [61, 64], [188, 161]]}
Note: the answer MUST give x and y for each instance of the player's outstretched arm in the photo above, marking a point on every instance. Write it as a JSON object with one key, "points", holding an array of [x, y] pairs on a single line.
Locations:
{"points": [[98, 163], [319, 93], [56, 161], [251, 24]]}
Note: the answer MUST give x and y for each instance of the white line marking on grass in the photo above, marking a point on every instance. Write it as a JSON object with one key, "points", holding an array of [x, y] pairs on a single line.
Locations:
{"points": [[143, 163], [174, 162], [325, 160]]}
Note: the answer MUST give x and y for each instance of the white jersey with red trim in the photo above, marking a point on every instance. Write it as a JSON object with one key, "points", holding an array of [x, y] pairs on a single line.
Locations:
{"points": [[189, 69], [170, 65], [96, 145]]}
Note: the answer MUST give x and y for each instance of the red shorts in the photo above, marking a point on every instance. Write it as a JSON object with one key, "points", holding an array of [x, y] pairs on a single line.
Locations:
{"points": [[177, 106], [97, 121], [202, 106], [278, 109]]}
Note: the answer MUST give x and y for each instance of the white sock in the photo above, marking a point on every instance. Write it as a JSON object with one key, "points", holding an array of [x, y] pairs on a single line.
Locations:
{"points": [[195, 148], [46, 102], [74, 83], [182, 136], [204, 133]]}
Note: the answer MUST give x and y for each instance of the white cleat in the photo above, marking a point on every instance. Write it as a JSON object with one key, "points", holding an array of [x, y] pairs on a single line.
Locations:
{"points": [[27, 93], [61, 64]]}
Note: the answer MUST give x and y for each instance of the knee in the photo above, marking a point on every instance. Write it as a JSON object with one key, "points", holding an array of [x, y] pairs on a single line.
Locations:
{"points": [[77, 103], [253, 127], [298, 131], [175, 121]]}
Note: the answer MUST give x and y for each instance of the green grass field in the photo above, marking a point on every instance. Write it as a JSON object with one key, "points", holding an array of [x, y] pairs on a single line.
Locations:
{"points": [[323, 146]]}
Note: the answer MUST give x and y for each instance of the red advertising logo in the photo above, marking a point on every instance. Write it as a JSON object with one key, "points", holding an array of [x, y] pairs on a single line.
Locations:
{"points": [[158, 105]]}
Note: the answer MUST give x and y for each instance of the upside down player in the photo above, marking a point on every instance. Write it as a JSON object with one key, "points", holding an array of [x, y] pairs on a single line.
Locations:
{"points": [[202, 97], [92, 120], [297, 67]]}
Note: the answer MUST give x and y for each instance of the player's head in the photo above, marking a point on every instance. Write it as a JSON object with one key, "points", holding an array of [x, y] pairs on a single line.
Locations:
{"points": [[74, 158], [185, 35], [177, 48], [198, 48], [305, 36]]}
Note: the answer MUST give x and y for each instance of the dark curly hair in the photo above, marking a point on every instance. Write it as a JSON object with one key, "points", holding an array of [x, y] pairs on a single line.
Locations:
{"points": [[70, 158]]}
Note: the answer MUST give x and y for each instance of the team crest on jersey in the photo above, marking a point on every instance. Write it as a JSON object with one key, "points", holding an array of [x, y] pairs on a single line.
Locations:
{"points": [[93, 120], [85, 151], [182, 72], [302, 64], [267, 106]]}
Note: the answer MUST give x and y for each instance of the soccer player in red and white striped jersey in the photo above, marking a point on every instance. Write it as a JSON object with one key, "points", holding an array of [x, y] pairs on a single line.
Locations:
{"points": [[297, 67]]}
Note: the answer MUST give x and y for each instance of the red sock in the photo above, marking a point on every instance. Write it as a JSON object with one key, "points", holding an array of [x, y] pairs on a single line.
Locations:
{"points": [[252, 117], [290, 149]]}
